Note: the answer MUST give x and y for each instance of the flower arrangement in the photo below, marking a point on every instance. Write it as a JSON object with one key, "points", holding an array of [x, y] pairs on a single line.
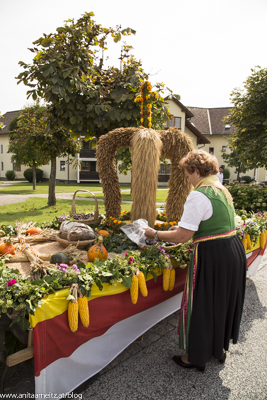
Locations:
{"points": [[165, 225], [146, 98]]}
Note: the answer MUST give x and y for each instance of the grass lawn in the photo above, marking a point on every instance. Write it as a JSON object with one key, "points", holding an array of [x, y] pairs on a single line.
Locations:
{"points": [[36, 209]]}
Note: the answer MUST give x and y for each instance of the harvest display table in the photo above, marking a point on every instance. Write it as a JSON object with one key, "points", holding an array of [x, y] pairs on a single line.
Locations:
{"points": [[64, 360]]}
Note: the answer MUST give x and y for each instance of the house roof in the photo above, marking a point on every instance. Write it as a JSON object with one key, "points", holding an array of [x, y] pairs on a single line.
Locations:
{"points": [[188, 113], [201, 138], [7, 118], [209, 120]]}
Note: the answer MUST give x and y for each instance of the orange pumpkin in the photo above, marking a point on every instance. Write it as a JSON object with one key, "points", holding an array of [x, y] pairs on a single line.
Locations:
{"points": [[103, 233], [98, 250], [34, 231], [7, 248]]}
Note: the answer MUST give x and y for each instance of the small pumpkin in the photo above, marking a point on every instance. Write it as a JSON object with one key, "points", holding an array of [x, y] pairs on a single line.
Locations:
{"points": [[103, 233], [98, 250], [7, 248], [59, 258], [34, 231]]}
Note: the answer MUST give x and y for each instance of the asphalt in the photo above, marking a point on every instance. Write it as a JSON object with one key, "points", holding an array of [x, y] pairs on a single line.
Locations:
{"points": [[145, 370]]}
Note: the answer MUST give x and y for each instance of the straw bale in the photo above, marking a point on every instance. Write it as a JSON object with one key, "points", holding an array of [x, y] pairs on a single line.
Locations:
{"points": [[175, 146], [146, 149]]}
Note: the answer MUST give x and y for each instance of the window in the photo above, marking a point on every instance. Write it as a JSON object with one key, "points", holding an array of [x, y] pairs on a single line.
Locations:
{"points": [[2, 149], [165, 169], [16, 168], [174, 122], [62, 165], [89, 144], [88, 166], [2, 166], [223, 148], [211, 150]]}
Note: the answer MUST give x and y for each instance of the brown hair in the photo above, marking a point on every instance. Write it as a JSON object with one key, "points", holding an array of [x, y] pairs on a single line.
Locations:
{"points": [[206, 163]]}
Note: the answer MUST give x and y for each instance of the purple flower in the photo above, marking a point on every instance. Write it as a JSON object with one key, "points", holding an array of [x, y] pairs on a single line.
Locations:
{"points": [[126, 255], [159, 248], [162, 250], [130, 258], [10, 283], [65, 270], [64, 265]]}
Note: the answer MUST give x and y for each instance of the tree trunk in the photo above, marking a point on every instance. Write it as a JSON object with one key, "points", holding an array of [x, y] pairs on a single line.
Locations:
{"points": [[52, 183], [34, 175]]}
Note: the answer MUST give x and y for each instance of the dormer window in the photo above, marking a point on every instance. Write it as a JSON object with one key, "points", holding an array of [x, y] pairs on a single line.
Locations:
{"points": [[227, 127], [174, 123]]}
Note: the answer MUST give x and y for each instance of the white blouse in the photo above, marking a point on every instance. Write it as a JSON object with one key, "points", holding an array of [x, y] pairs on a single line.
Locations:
{"points": [[197, 208]]}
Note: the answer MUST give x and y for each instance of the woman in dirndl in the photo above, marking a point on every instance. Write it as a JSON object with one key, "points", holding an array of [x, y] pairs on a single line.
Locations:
{"points": [[214, 290]]}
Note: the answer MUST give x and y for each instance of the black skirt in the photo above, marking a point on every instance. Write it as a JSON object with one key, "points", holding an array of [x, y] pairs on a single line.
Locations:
{"points": [[218, 298]]}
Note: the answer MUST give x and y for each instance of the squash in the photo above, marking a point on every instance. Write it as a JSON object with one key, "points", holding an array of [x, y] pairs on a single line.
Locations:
{"points": [[34, 231], [103, 233], [98, 250], [7, 248], [59, 258]]}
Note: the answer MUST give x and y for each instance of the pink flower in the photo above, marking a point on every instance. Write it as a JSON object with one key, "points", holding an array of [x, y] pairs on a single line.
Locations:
{"points": [[10, 283]]}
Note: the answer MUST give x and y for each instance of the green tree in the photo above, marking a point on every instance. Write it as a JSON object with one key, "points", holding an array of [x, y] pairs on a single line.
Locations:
{"points": [[249, 116], [33, 145], [235, 159], [26, 130]]}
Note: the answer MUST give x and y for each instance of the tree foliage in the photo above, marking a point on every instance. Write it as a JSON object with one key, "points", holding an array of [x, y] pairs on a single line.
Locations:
{"points": [[32, 144], [84, 97], [26, 133], [235, 159], [249, 116]]}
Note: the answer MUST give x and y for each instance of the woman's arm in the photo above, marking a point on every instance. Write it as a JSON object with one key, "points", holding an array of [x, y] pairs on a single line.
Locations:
{"points": [[178, 235]]}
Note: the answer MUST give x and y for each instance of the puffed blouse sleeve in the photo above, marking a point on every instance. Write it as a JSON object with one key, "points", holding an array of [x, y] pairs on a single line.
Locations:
{"points": [[197, 208]]}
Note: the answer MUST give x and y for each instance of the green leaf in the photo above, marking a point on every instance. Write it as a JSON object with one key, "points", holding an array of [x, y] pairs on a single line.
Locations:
{"points": [[127, 281], [73, 120]]}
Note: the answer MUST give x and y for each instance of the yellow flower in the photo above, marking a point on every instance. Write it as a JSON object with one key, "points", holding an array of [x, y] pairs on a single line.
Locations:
{"points": [[142, 119], [158, 224], [115, 221], [119, 222], [147, 97], [149, 118], [149, 125], [149, 105]]}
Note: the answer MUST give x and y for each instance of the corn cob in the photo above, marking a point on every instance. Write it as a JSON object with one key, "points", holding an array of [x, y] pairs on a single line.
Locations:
{"points": [[83, 310], [245, 243], [134, 289], [262, 240], [73, 311], [142, 283], [172, 279], [166, 279], [248, 241]]}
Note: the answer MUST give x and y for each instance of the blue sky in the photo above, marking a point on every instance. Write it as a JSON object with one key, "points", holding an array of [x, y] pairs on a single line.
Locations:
{"points": [[202, 50]]}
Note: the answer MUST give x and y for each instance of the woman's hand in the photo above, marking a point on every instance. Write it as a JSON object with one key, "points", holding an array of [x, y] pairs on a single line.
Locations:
{"points": [[149, 233]]}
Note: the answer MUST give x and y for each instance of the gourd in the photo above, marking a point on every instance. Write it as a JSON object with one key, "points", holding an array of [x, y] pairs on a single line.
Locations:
{"points": [[172, 279], [34, 231], [142, 283], [7, 248], [166, 279], [59, 258], [103, 233], [98, 250], [73, 310]]}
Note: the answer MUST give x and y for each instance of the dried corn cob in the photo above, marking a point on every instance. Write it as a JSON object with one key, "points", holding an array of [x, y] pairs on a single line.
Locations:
{"points": [[73, 310], [262, 240], [83, 310], [166, 279], [172, 279], [245, 243], [134, 289], [142, 283], [248, 241]]}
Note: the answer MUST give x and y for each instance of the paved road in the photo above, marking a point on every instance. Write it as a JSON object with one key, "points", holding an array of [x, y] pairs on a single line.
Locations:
{"points": [[145, 370]]}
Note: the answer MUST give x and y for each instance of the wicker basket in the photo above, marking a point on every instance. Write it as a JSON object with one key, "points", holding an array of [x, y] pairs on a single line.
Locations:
{"points": [[96, 219], [81, 244]]}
